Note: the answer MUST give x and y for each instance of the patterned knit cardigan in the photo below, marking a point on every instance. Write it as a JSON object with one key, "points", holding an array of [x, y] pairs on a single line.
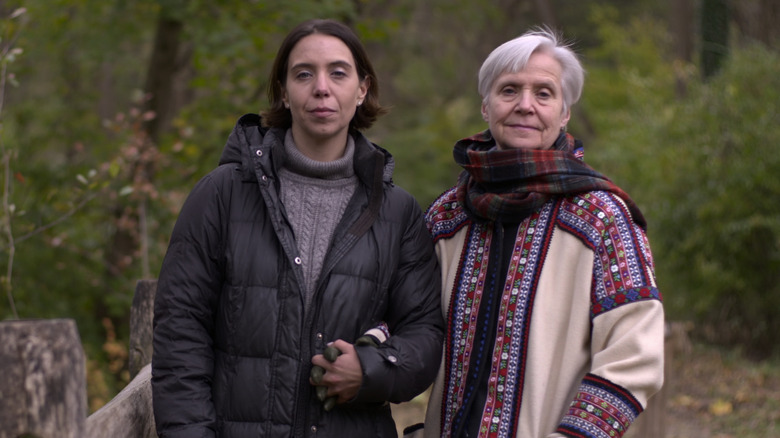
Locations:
{"points": [[580, 335]]}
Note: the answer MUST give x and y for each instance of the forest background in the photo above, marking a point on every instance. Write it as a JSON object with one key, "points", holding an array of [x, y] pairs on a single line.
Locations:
{"points": [[111, 110]]}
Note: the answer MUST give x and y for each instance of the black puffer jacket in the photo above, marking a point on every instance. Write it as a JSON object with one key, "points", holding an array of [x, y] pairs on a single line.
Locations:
{"points": [[232, 344]]}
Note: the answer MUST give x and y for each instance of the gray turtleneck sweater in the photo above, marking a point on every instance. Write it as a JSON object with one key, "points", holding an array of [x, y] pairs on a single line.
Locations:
{"points": [[315, 195]]}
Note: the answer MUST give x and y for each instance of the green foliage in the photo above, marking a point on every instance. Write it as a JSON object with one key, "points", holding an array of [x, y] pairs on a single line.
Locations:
{"points": [[9, 33], [627, 70], [729, 258], [80, 154], [703, 168], [424, 148], [429, 70], [700, 168]]}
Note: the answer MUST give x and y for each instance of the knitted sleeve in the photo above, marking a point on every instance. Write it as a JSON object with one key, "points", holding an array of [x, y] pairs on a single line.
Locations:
{"points": [[627, 341]]}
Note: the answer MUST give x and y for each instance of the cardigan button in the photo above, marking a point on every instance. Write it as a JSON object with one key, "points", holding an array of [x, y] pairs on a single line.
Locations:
{"points": [[259, 153], [392, 359], [264, 178], [297, 260]]}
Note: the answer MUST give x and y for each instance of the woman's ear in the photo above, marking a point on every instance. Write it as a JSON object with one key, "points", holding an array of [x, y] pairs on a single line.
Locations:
{"points": [[363, 89], [565, 119], [285, 98]]}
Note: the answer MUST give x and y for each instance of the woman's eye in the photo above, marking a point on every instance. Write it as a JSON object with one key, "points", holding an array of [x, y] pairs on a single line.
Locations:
{"points": [[508, 91], [339, 73], [302, 75]]}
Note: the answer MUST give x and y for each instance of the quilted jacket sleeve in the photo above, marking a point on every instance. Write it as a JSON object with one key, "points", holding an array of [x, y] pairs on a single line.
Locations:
{"points": [[406, 364], [189, 283]]}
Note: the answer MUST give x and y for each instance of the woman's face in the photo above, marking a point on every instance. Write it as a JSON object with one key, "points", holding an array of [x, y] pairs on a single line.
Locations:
{"points": [[322, 90], [524, 110]]}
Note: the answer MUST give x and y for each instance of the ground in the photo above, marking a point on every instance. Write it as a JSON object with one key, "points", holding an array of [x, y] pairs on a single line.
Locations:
{"points": [[717, 393], [710, 393]]}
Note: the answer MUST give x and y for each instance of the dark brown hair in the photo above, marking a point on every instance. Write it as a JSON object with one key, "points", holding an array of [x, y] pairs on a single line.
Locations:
{"points": [[280, 117]]}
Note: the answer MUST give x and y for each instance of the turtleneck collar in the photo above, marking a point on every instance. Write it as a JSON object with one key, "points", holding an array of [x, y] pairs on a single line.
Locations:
{"points": [[303, 165]]}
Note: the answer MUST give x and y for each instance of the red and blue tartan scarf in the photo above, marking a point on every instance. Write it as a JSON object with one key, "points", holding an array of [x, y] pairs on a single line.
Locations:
{"points": [[509, 185]]}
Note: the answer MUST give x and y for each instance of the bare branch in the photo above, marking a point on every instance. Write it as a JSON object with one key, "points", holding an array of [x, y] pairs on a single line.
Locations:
{"points": [[59, 220]]}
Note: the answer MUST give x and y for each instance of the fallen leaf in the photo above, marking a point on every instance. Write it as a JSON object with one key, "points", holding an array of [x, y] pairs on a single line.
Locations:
{"points": [[721, 407]]}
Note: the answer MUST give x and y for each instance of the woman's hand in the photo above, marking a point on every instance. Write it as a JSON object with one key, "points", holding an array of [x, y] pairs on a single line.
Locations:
{"points": [[344, 376]]}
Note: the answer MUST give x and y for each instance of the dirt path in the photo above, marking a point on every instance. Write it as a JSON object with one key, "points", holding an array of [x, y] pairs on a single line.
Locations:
{"points": [[711, 393]]}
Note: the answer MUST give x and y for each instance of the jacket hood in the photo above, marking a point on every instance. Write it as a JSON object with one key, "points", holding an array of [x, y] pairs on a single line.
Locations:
{"points": [[249, 139]]}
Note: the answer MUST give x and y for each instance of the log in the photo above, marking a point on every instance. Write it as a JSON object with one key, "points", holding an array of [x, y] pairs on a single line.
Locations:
{"points": [[43, 384], [141, 316], [129, 414]]}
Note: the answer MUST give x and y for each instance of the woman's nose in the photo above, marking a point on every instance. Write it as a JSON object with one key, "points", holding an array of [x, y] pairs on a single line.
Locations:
{"points": [[524, 102], [321, 86]]}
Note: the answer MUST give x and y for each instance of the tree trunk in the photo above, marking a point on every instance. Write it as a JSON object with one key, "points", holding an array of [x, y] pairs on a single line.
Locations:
{"points": [[715, 35], [164, 66], [683, 19], [165, 87], [545, 12], [141, 316], [43, 384], [757, 20]]}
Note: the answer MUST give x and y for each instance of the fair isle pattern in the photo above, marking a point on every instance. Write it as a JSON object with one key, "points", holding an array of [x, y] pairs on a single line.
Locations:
{"points": [[499, 418], [624, 297], [601, 409], [602, 222], [464, 305], [623, 270], [445, 216], [644, 245]]}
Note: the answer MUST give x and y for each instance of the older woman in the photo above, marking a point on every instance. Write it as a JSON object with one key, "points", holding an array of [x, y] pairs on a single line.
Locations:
{"points": [[297, 241], [554, 325]]}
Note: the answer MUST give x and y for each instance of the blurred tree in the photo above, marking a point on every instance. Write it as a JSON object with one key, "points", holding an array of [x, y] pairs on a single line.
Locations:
{"points": [[683, 20], [428, 69], [9, 33], [131, 102], [727, 259], [757, 20], [700, 168], [93, 108], [714, 35]]}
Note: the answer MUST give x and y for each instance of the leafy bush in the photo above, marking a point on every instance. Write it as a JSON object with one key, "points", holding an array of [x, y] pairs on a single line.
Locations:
{"points": [[727, 257], [704, 170]]}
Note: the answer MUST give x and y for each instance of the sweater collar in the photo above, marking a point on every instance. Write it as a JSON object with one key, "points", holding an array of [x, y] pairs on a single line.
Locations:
{"points": [[297, 162]]}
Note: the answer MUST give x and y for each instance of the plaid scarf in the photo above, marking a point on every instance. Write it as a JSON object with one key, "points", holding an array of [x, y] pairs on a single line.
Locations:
{"points": [[509, 185]]}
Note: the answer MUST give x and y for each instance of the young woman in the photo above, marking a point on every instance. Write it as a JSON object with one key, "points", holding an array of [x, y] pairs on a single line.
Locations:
{"points": [[297, 241]]}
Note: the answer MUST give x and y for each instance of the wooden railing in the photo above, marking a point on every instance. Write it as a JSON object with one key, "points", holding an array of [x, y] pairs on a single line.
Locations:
{"points": [[43, 381], [43, 390], [129, 414]]}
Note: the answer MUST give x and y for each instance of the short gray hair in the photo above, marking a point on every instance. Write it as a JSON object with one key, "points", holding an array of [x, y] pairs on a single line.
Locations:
{"points": [[513, 55]]}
